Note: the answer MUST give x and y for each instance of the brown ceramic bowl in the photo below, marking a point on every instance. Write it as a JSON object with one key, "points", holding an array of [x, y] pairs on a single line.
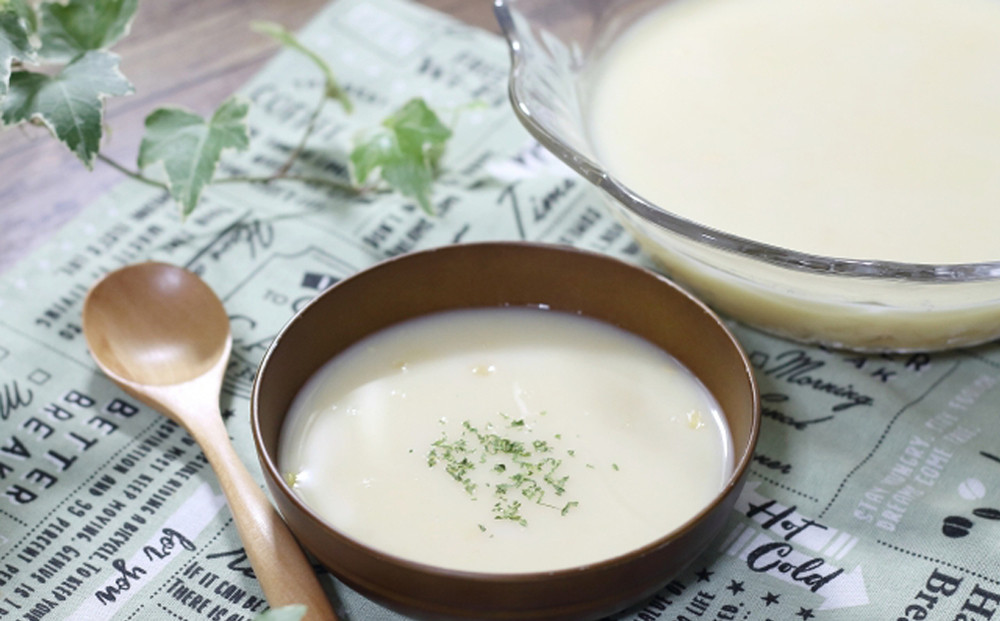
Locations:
{"points": [[492, 275]]}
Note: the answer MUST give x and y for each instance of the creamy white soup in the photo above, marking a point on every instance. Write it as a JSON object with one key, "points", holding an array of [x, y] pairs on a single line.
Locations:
{"points": [[865, 129], [505, 440]]}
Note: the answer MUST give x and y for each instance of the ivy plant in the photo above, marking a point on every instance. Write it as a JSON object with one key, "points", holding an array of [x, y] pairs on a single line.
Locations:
{"points": [[57, 70]]}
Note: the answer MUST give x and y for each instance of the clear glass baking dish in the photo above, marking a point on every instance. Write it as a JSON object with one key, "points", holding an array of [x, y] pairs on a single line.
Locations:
{"points": [[875, 306]]}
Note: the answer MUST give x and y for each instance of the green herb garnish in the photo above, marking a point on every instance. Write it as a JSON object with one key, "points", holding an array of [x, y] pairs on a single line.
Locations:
{"points": [[504, 461], [568, 506], [509, 511]]}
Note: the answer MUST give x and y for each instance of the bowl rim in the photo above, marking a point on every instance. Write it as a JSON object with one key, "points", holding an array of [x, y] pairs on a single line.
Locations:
{"points": [[733, 483], [923, 273]]}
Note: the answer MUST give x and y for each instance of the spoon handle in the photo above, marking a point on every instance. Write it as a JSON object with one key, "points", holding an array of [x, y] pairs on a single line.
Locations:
{"points": [[284, 573]]}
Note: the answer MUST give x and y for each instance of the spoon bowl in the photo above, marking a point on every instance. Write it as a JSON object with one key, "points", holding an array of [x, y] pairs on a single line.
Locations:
{"points": [[120, 309], [162, 335]]}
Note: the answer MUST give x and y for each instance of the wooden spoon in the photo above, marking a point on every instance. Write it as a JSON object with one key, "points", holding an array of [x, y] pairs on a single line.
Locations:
{"points": [[163, 336]]}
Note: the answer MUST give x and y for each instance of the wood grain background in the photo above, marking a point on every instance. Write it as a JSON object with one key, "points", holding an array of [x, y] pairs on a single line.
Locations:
{"points": [[186, 52]]}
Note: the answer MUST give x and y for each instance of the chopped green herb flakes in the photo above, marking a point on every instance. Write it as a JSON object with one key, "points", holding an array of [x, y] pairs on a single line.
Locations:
{"points": [[514, 468]]}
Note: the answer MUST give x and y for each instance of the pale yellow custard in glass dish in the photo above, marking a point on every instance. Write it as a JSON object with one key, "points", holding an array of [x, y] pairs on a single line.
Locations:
{"points": [[843, 128], [822, 170]]}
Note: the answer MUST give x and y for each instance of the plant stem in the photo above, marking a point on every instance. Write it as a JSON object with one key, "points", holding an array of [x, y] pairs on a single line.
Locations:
{"points": [[342, 186], [138, 176], [280, 175], [281, 172]]}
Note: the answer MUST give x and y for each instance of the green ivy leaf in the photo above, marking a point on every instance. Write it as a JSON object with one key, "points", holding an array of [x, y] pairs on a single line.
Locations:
{"points": [[190, 148], [14, 41], [406, 152], [283, 36], [78, 26], [25, 9], [70, 103], [419, 130], [286, 613]]}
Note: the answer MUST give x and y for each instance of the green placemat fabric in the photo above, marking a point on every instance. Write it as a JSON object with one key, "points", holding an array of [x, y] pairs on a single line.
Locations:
{"points": [[865, 500]]}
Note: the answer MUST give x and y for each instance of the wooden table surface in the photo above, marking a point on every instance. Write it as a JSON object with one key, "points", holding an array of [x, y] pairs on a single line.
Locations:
{"points": [[185, 52]]}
